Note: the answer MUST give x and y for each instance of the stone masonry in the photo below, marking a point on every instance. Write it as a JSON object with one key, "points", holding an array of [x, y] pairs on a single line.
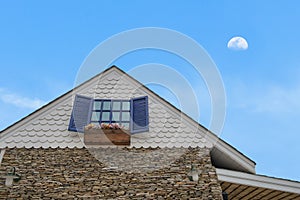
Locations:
{"points": [[65, 173]]}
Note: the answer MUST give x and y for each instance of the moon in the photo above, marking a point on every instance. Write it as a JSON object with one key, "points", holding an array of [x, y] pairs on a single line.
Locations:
{"points": [[237, 43]]}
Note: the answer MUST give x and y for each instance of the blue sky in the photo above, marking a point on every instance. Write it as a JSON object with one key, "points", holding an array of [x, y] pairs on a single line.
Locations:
{"points": [[43, 44]]}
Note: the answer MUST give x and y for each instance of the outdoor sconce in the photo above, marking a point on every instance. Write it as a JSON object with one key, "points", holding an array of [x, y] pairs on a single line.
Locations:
{"points": [[193, 174], [11, 176]]}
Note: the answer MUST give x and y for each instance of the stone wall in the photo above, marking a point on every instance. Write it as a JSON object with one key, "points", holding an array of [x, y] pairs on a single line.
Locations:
{"points": [[77, 174]]}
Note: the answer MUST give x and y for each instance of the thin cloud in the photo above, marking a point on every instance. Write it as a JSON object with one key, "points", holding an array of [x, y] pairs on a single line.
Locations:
{"points": [[269, 99], [279, 100], [237, 43], [19, 101]]}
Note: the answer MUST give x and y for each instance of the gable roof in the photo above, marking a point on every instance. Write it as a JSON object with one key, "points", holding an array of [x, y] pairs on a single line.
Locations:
{"points": [[47, 126]]}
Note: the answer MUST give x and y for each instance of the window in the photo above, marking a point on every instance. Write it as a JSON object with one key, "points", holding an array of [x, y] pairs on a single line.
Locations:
{"points": [[111, 111], [132, 114]]}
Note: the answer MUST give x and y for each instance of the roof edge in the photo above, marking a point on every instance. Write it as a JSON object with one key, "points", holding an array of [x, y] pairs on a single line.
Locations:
{"points": [[258, 181], [235, 154], [245, 162], [54, 100]]}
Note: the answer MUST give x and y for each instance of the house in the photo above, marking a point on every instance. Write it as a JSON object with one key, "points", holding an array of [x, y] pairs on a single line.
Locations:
{"points": [[168, 155]]}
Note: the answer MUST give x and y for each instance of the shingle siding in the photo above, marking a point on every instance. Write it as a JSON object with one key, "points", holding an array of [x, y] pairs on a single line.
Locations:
{"points": [[49, 126]]}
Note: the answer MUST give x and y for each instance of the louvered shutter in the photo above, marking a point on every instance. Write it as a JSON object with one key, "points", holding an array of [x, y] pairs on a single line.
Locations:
{"points": [[139, 115], [81, 113]]}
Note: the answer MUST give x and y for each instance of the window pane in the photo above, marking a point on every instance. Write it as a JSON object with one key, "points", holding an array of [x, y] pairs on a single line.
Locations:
{"points": [[125, 116], [106, 105], [105, 116], [95, 116], [116, 105], [126, 105], [125, 125], [116, 116], [97, 105]]}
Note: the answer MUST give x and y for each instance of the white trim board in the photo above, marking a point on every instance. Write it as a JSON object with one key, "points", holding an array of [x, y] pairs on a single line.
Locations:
{"points": [[2, 152], [258, 181]]}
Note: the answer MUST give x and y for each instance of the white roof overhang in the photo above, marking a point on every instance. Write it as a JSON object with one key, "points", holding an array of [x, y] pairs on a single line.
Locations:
{"points": [[240, 185]]}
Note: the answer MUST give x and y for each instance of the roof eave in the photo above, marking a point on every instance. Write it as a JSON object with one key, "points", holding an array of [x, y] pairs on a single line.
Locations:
{"points": [[258, 181]]}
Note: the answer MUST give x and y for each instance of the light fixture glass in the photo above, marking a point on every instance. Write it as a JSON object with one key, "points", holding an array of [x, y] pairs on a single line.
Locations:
{"points": [[194, 174]]}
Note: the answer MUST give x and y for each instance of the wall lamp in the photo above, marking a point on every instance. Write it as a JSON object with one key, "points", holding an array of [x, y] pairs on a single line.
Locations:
{"points": [[11, 176], [193, 175]]}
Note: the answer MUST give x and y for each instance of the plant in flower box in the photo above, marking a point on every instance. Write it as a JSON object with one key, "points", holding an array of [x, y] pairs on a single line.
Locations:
{"points": [[106, 134]]}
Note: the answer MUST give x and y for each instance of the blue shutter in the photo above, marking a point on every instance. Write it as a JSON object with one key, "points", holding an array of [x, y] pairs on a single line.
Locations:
{"points": [[81, 113], [139, 121]]}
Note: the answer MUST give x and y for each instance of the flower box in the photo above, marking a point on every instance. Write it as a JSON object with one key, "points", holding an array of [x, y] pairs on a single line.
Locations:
{"points": [[106, 137]]}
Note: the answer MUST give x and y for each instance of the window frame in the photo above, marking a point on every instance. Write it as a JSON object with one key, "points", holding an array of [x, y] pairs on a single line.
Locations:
{"points": [[101, 110]]}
